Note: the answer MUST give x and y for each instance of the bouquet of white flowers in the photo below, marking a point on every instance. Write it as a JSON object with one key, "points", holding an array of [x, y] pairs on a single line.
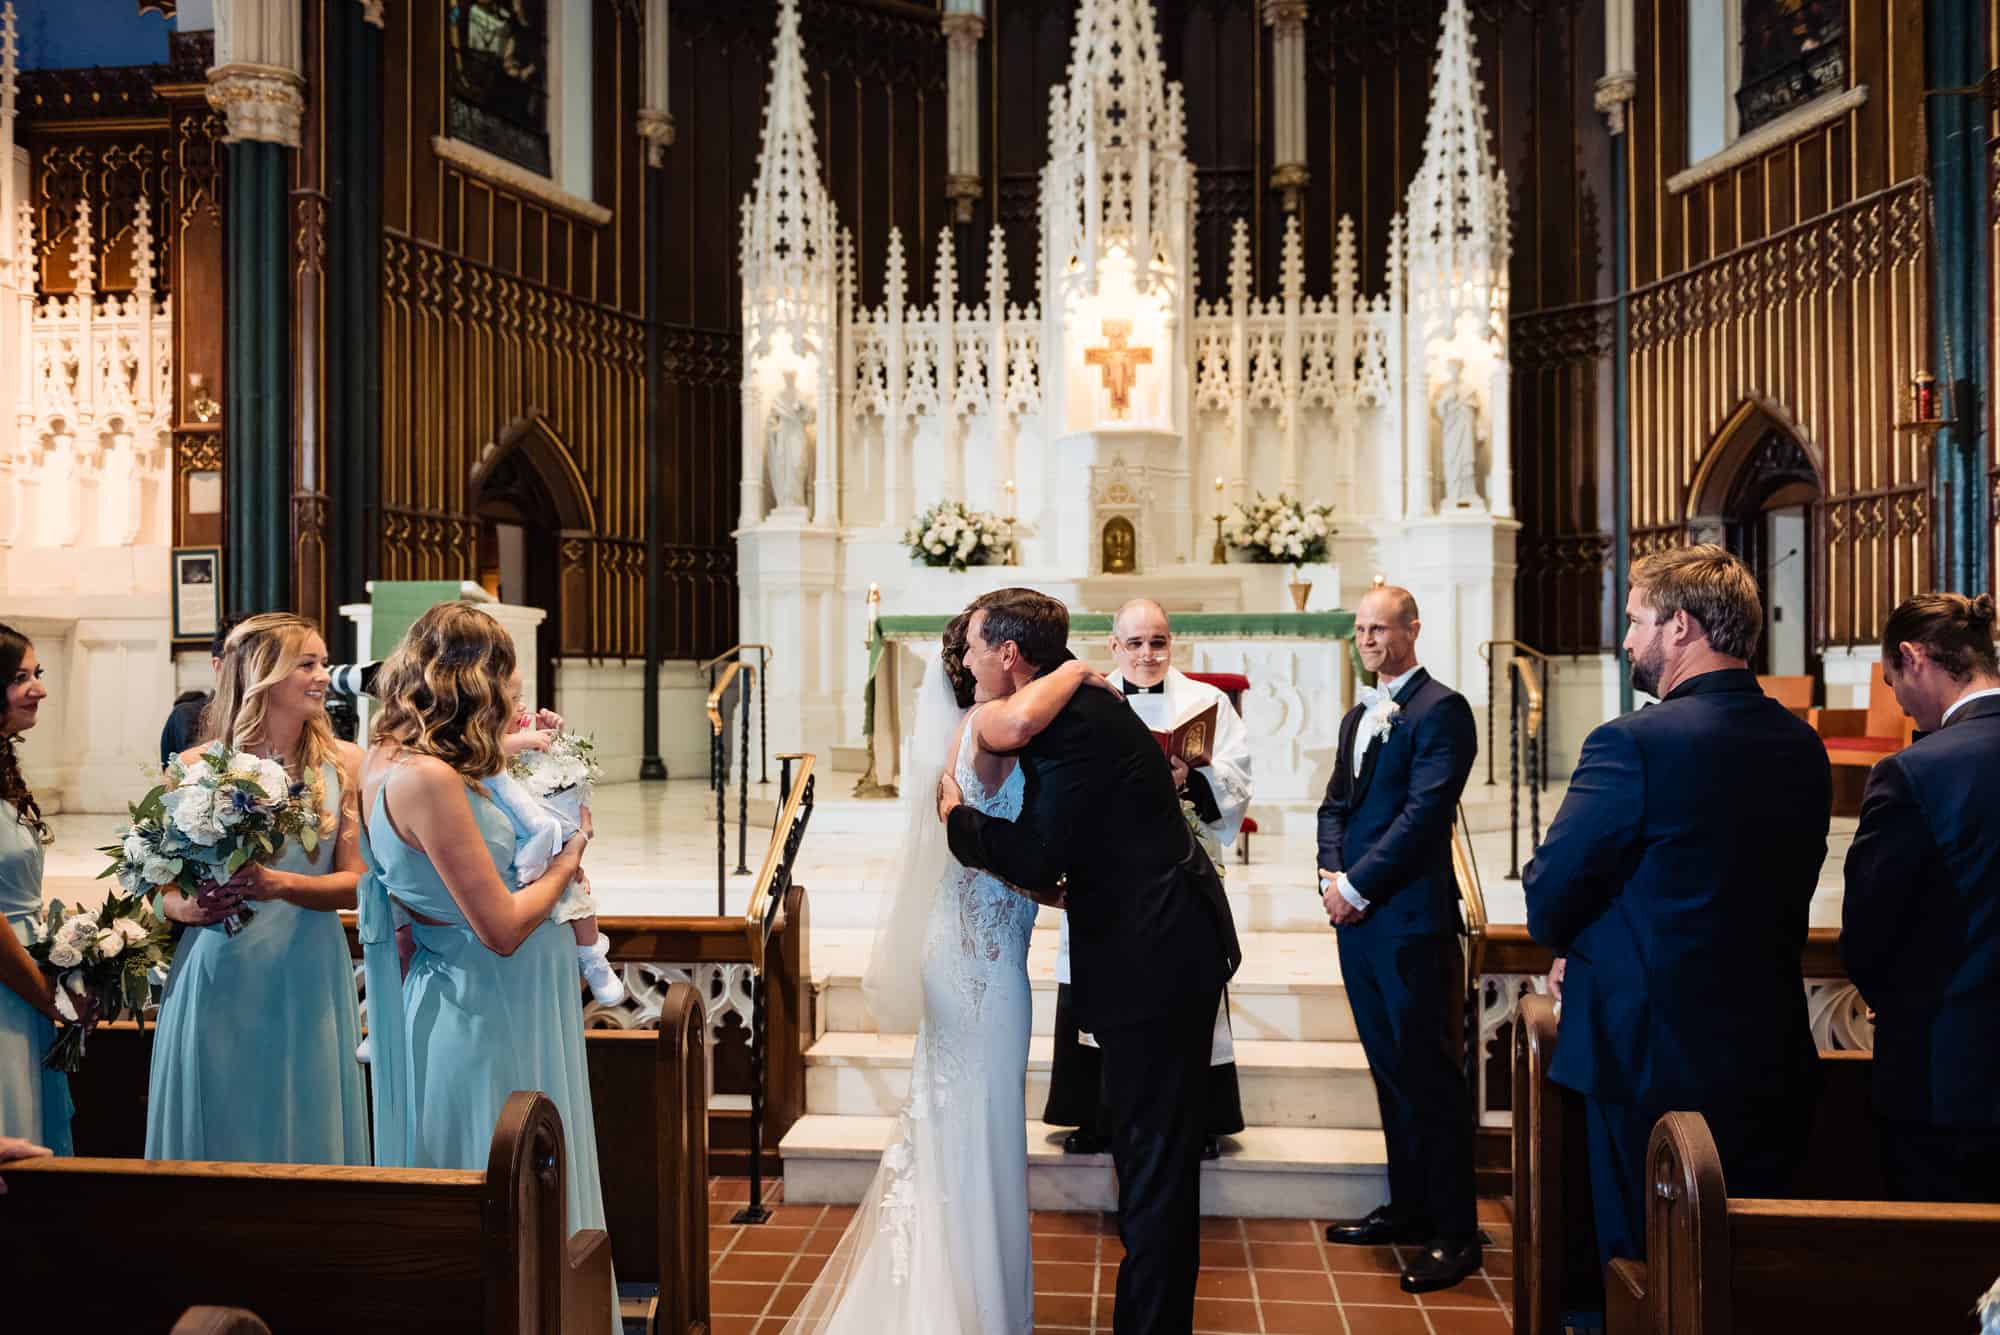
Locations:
{"points": [[1281, 530], [948, 534], [560, 777], [107, 956], [206, 820]]}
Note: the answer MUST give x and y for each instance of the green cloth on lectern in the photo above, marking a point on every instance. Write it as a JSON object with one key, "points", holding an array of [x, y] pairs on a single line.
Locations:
{"points": [[398, 603], [1336, 625]]}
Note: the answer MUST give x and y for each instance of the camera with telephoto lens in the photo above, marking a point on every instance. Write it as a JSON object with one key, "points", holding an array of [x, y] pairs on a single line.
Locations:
{"points": [[346, 683]]}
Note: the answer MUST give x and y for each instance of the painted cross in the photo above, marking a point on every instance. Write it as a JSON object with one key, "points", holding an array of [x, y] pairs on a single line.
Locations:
{"points": [[1118, 364]]}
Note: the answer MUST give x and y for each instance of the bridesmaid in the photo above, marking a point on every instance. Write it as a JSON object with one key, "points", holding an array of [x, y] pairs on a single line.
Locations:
{"points": [[491, 1003], [253, 1057], [34, 1103]]}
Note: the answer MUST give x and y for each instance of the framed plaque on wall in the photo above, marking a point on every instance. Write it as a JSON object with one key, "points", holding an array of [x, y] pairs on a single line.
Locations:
{"points": [[197, 585]]}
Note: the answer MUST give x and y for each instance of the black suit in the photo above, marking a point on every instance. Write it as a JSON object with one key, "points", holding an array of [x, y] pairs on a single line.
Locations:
{"points": [[1676, 880], [1389, 829], [1920, 931], [1151, 944]]}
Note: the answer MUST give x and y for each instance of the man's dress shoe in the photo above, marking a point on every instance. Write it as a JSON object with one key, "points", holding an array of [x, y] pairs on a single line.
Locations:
{"points": [[1081, 1141], [1381, 1227], [1441, 1264]]}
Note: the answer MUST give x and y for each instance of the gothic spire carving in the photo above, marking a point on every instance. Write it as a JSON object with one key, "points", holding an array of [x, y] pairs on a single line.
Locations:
{"points": [[1457, 202], [789, 255]]}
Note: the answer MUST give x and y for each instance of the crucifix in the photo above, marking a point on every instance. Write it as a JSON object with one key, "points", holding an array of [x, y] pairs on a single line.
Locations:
{"points": [[1118, 364]]}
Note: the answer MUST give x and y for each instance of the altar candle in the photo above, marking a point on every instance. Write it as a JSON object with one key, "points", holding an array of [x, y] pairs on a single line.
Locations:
{"points": [[1009, 486]]}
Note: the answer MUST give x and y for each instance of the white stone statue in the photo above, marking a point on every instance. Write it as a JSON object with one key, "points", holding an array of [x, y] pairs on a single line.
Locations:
{"points": [[788, 445], [1458, 430]]}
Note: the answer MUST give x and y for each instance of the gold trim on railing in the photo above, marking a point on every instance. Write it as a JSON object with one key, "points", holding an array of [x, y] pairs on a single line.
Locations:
{"points": [[715, 697], [1515, 645], [769, 654], [1466, 872], [774, 854], [1527, 676]]}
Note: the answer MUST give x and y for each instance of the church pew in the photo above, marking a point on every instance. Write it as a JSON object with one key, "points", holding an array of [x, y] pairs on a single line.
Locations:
{"points": [[1555, 1240], [1717, 1265], [316, 1249], [648, 1090], [219, 1321]]}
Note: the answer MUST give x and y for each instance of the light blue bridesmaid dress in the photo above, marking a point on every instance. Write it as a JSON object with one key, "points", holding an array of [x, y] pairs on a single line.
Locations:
{"points": [[467, 1027], [253, 1057], [33, 1102]]}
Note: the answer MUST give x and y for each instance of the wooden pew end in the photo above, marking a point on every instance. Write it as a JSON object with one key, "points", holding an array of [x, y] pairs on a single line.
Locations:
{"points": [[219, 1321]]}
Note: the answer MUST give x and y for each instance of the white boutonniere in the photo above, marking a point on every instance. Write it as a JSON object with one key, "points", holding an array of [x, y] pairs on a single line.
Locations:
{"points": [[1381, 717]]}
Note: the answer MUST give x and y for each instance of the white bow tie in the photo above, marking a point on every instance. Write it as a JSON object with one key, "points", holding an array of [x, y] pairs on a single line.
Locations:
{"points": [[1370, 696]]}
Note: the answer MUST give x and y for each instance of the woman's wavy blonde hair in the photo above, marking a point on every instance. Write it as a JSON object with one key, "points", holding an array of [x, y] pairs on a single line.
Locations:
{"points": [[444, 690], [259, 653]]}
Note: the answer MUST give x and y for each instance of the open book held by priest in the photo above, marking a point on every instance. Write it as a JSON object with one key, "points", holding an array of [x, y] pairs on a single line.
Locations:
{"points": [[1192, 738]]}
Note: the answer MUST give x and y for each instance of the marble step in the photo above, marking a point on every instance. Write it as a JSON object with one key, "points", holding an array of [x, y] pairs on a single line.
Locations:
{"points": [[1266, 1172], [1283, 1084]]}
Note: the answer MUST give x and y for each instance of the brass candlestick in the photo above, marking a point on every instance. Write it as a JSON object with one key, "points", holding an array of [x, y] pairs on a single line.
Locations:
{"points": [[1221, 556]]}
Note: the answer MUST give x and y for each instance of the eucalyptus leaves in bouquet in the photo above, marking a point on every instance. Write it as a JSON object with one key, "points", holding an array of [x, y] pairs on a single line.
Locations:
{"points": [[107, 956], [948, 534], [205, 821], [1282, 530]]}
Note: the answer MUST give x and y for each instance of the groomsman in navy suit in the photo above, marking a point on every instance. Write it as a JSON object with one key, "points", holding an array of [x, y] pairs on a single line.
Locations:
{"points": [[1675, 880], [1387, 883], [1920, 925]]}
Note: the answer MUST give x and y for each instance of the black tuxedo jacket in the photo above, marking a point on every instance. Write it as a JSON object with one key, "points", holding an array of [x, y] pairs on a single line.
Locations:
{"points": [[1148, 920], [1676, 879], [1389, 827], [1920, 924]]}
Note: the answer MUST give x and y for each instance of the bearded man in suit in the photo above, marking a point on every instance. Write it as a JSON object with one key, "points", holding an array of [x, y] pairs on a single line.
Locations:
{"points": [[1389, 889]]}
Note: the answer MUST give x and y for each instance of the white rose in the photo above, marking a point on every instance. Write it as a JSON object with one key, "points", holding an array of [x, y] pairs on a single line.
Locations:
{"points": [[132, 930], [193, 812], [109, 944], [76, 931], [271, 777], [158, 871], [135, 848], [64, 955], [244, 765]]}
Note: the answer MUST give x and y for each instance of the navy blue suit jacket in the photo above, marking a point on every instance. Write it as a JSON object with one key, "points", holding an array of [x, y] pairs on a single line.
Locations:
{"points": [[1676, 879], [1389, 827], [1920, 925]]}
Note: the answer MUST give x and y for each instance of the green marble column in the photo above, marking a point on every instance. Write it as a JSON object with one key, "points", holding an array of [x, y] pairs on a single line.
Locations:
{"points": [[257, 386]]}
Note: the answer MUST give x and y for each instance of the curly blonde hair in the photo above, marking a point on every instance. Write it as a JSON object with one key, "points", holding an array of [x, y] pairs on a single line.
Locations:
{"points": [[261, 652], [444, 690]]}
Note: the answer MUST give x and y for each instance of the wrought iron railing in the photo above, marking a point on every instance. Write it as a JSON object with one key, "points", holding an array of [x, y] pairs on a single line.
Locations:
{"points": [[1527, 670], [718, 776], [734, 653]]}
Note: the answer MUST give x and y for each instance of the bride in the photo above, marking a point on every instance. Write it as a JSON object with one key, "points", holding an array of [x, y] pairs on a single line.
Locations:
{"points": [[940, 1243]]}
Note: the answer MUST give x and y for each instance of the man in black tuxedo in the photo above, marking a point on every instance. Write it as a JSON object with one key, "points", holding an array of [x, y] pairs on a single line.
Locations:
{"points": [[1151, 939], [1920, 925], [1675, 881], [1386, 880]]}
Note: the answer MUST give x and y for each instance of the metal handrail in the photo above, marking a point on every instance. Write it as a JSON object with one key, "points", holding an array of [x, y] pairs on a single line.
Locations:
{"points": [[716, 693], [1516, 645], [1534, 687], [766, 911], [764, 649]]}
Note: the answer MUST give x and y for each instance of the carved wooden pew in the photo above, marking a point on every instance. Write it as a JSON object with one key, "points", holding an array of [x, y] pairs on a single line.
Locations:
{"points": [[314, 1249], [219, 1321], [1717, 1265], [648, 1094]]}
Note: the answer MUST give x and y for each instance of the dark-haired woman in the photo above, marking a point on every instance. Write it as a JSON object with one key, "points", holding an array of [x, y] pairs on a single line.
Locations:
{"points": [[34, 1103], [490, 1004], [253, 1060]]}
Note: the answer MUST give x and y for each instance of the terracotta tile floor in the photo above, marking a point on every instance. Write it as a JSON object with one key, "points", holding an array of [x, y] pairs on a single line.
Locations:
{"points": [[1258, 1276]]}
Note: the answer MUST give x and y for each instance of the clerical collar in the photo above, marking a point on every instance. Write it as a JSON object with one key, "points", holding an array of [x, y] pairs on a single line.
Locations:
{"points": [[1134, 688]]}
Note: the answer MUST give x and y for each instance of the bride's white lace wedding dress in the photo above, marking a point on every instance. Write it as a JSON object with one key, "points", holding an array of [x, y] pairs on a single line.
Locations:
{"points": [[940, 1243]]}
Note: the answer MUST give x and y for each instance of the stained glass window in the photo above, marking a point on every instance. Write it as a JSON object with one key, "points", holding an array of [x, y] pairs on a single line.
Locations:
{"points": [[497, 78], [1793, 51]]}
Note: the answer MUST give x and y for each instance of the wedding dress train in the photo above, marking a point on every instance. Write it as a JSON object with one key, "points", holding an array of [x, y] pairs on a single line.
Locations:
{"points": [[940, 1243]]}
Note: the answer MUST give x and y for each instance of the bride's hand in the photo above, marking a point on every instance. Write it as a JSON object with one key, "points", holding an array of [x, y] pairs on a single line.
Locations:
{"points": [[948, 796], [1089, 676]]}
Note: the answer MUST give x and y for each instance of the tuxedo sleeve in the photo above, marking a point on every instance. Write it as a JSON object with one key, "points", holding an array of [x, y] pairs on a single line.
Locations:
{"points": [[1446, 741], [1578, 870], [1333, 806], [1028, 852], [1892, 863]]}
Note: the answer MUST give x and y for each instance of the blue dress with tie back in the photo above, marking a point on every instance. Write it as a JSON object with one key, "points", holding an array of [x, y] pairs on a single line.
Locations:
{"points": [[253, 1058], [34, 1102], [468, 1026]]}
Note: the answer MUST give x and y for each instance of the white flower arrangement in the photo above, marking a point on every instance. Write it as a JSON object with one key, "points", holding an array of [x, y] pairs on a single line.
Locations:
{"points": [[206, 820], [1989, 1310], [948, 534], [560, 778], [1282, 530], [108, 957]]}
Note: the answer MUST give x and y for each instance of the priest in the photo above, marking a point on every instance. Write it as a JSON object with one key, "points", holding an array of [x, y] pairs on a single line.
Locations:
{"points": [[1142, 646]]}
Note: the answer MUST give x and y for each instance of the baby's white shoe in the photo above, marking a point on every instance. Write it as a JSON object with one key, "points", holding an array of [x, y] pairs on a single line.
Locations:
{"points": [[605, 984], [365, 1053]]}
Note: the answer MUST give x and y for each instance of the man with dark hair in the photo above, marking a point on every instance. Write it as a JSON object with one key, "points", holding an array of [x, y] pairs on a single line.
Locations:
{"points": [[1151, 939], [1920, 924], [183, 727], [1675, 882]]}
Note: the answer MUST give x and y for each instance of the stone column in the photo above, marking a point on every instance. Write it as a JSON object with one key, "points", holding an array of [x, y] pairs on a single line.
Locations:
{"points": [[963, 26], [1614, 91], [1287, 21], [257, 85]]}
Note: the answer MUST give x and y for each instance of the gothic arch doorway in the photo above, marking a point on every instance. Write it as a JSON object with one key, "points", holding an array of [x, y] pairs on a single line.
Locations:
{"points": [[1758, 493], [528, 500]]}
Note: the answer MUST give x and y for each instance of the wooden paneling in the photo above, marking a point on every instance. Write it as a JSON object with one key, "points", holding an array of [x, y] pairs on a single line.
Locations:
{"points": [[1797, 283]]}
